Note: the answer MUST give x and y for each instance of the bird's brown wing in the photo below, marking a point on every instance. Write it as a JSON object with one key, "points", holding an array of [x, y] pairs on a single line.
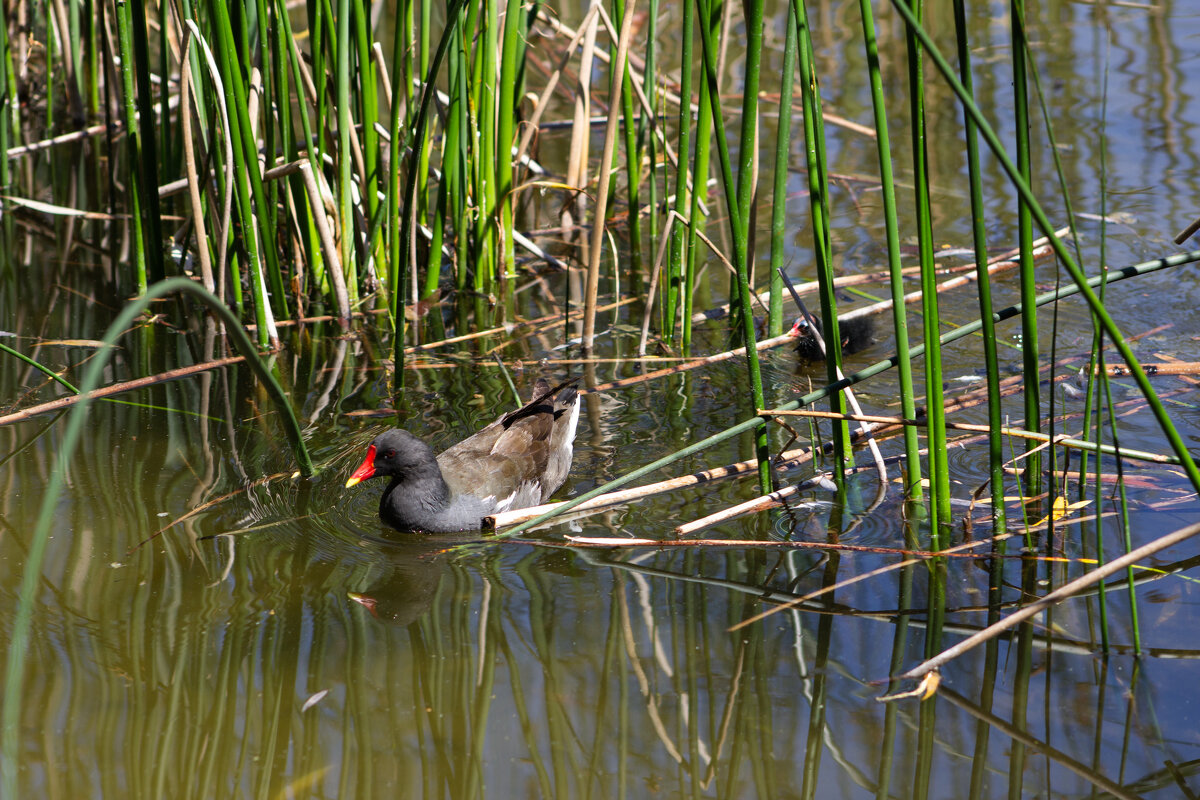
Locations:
{"points": [[512, 451]]}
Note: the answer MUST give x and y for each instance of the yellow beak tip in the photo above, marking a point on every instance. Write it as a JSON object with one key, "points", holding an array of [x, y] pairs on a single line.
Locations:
{"points": [[353, 482]]}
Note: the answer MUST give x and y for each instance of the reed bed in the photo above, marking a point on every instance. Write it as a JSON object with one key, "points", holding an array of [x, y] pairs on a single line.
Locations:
{"points": [[322, 178]]}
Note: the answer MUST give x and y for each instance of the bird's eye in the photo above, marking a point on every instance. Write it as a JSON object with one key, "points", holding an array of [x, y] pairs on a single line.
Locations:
{"points": [[390, 454]]}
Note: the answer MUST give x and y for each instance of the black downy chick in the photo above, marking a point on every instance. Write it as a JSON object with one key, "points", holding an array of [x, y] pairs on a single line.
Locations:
{"points": [[857, 334]]}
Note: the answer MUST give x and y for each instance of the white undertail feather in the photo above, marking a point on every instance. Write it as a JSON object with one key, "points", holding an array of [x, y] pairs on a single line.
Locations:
{"points": [[573, 422]]}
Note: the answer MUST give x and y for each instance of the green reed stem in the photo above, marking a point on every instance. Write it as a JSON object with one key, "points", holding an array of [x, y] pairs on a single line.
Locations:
{"points": [[674, 287], [1090, 396], [703, 147], [133, 146], [1092, 415], [650, 126], [49, 373], [318, 44], [752, 22], [908, 406], [510, 64], [423, 170], [460, 198], [8, 105], [818, 188], [1029, 327], [783, 151], [272, 106], [245, 170], [401, 88], [169, 146], [90, 36], [487, 241], [1053, 470], [451, 198], [1065, 194], [1065, 257], [738, 230], [939, 472], [404, 63], [633, 159], [319, 280], [368, 104], [983, 279], [147, 170], [345, 123], [1123, 518], [428, 89]]}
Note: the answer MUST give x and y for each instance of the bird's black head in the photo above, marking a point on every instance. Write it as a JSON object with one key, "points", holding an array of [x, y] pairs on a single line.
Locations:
{"points": [[395, 453]]}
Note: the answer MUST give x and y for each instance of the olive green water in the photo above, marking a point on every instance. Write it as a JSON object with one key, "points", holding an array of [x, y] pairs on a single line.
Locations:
{"points": [[269, 639]]}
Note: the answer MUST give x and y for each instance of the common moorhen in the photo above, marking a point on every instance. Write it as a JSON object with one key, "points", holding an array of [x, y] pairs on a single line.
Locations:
{"points": [[516, 462]]}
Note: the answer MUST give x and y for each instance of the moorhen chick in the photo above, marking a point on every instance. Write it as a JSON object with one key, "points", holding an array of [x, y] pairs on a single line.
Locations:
{"points": [[516, 462], [858, 333]]}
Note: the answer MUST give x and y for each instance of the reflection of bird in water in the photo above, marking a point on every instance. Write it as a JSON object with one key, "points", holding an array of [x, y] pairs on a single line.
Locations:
{"points": [[858, 333], [410, 580]]}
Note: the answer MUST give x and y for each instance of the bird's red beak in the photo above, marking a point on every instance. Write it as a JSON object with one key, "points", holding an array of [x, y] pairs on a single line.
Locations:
{"points": [[366, 601], [365, 470]]}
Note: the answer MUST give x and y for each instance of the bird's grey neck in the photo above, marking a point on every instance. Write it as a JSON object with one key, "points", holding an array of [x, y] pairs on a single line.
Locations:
{"points": [[425, 495]]}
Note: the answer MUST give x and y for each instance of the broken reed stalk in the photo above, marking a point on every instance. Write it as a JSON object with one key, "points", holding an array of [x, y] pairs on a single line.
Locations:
{"points": [[1168, 368], [857, 579], [763, 503], [999, 263], [117, 388], [950, 283], [841, 547], [716, 358], [549, 319], [115, 127], [965, 426], [785, 461]]}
